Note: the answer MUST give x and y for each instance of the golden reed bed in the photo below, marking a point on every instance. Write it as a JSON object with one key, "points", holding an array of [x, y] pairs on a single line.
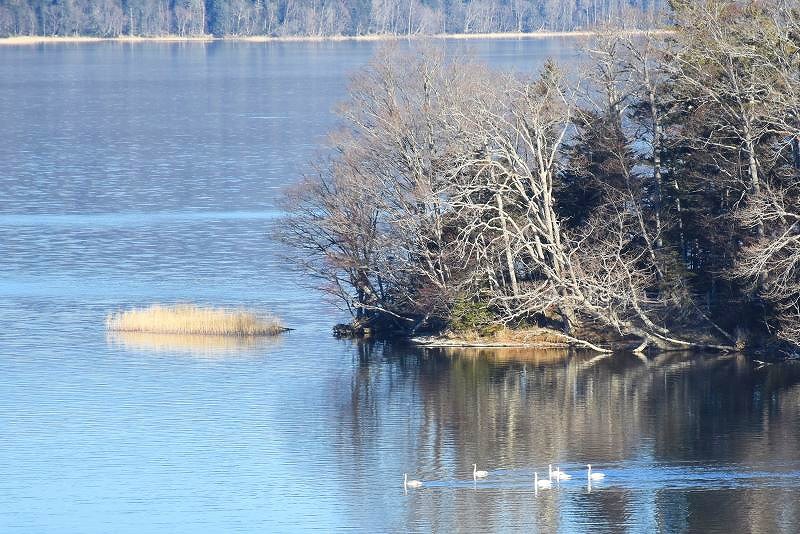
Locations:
{"points": [[194, 320]]}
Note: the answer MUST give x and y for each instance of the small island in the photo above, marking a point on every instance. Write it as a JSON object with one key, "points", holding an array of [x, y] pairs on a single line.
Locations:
{"points": [[189, 319], [647, 194]]}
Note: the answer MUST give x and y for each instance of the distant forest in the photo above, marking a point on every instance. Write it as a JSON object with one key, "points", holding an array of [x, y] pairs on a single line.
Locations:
{"points": [[111, 18]]}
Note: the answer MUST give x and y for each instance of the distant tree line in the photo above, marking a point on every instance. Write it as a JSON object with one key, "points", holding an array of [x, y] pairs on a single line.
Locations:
{"points": [[655, 196], [109, 18]]}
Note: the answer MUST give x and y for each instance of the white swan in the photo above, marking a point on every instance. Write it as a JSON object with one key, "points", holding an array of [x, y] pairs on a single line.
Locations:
{"points": [[478, 474], [544, 483], [556, 473], [560, 475], [594, 476], [410, 483]]}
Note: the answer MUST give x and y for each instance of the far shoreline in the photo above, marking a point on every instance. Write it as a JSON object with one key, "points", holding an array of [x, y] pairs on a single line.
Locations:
{"points": [[24, 40]]}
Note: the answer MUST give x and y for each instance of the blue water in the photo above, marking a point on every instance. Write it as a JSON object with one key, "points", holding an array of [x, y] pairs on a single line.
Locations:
{"points": [[133, 174]]}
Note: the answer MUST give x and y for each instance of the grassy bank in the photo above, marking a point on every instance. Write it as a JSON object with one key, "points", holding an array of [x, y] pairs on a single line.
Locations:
{"points": [[196, 320], [34, 39]]}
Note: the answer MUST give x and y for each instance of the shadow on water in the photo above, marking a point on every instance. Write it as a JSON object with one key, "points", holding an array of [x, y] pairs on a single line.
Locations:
{"points": [[698, 442]]}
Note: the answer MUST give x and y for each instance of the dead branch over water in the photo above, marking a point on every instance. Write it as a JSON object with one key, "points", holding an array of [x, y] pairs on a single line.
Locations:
{"points": [[647, 200]]}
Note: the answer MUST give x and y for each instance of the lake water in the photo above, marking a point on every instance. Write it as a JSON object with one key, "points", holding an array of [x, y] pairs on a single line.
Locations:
{"points": [[133, 174]]}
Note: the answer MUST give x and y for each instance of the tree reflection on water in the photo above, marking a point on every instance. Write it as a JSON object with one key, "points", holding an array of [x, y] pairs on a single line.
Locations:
{"points": [[703, 442]]}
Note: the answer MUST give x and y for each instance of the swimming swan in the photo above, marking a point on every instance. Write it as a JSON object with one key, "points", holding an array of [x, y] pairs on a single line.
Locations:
{"points": [[544, 483], [410, 483], [557, 474], [594, 476], [478, 474]]}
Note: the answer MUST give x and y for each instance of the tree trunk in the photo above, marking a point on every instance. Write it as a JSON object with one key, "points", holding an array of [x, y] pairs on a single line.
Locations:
{"points": [[507, 245]]}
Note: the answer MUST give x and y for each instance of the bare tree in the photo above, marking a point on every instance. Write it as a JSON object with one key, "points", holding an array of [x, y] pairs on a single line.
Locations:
{"points": [[444, 188], [383, 249], [728, 66]]}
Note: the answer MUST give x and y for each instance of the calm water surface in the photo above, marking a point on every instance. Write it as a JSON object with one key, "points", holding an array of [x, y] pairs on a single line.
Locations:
{"points": [[150, 173]]}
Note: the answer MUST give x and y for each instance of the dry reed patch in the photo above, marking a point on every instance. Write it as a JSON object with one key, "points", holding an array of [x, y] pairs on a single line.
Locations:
{"points": [[197, 320], [503, 337]]}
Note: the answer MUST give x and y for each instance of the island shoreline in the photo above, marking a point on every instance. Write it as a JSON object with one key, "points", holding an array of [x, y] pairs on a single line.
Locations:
{"points": [[436, 342]]}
